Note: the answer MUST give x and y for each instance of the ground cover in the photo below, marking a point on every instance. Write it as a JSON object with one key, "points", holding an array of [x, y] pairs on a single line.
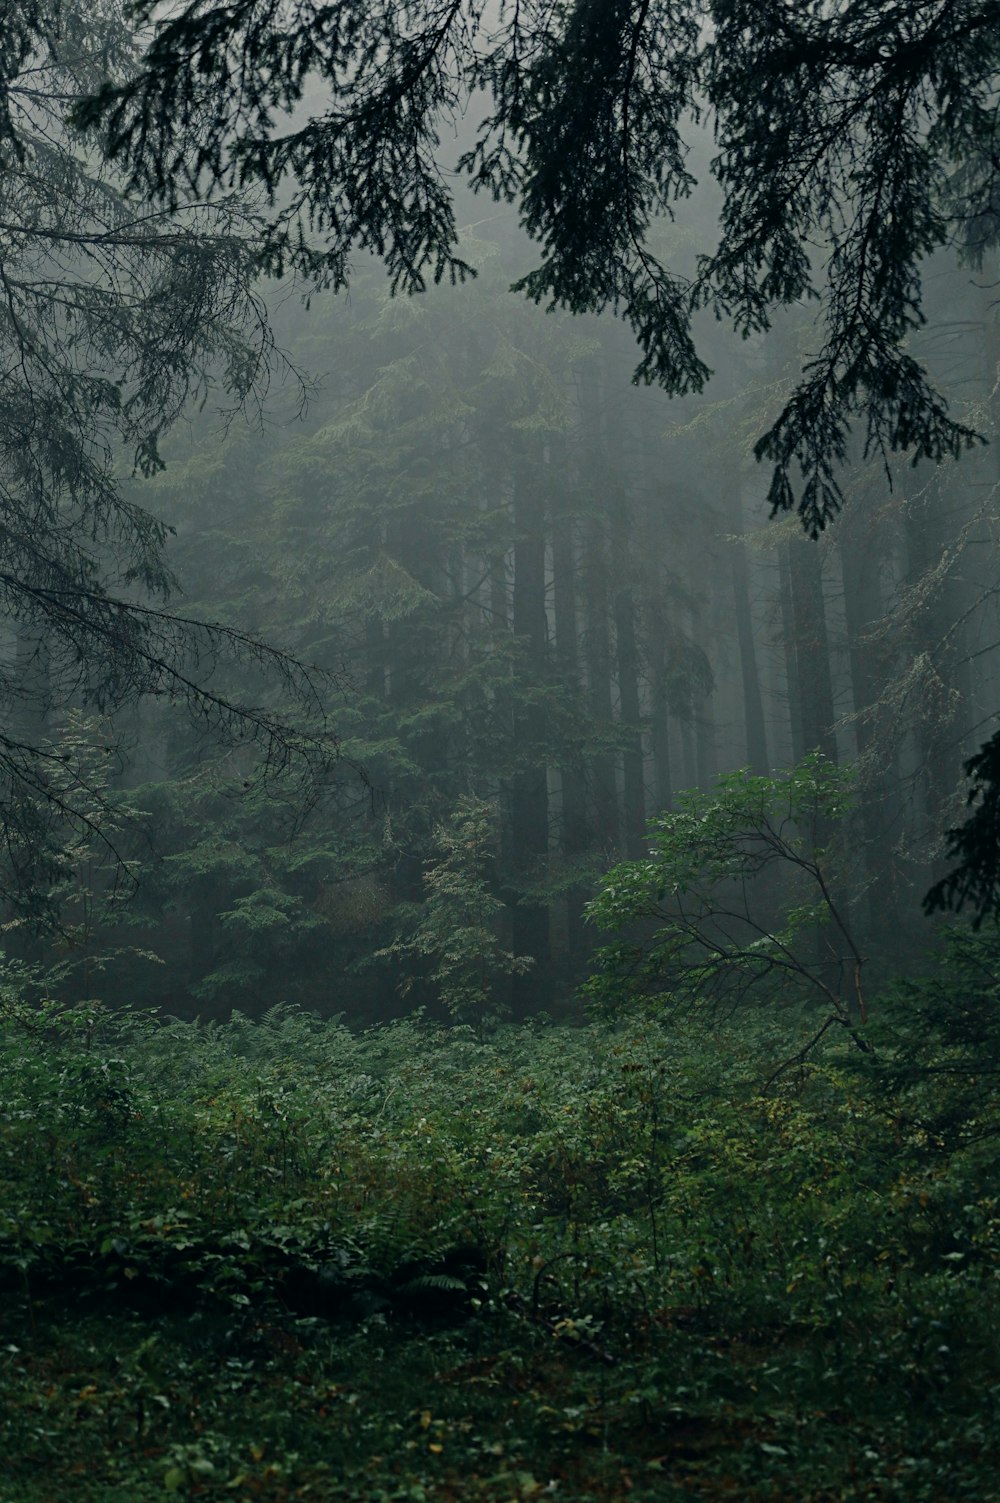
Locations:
{"points": [[279, 1261]]}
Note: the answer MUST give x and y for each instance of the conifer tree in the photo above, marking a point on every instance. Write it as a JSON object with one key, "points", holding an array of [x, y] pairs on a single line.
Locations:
{"points": [[115, 315]]}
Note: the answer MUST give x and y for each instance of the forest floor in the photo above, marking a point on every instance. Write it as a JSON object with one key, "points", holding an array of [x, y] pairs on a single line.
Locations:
{"points": [[276, 1261]]}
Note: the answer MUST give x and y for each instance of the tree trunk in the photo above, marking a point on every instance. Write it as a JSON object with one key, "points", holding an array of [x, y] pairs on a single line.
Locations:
{"points": [[860, 560], [597, 639], [753, 700], [634, 790], [614, 470], [575, 833], [789, 651], [663, 781], [529, 804], [814, 685]]}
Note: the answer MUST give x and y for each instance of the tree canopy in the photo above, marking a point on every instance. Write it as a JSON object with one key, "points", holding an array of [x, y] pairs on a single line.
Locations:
{"points": [[114, 316], [852, 139]]}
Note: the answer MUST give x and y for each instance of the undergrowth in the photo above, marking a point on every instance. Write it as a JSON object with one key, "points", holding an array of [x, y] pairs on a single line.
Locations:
{"points": [[280, 1261]]}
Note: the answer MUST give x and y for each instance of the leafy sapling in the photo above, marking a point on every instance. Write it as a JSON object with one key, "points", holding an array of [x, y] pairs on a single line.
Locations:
{"points": [[455, 934], [737, 897]]}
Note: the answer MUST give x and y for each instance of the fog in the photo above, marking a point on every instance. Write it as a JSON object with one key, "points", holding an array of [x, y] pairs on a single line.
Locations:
{"points": [[543, 588], [523, 604]]}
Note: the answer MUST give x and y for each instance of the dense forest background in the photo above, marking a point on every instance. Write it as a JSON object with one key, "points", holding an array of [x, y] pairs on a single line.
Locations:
{"points": [[470, 1027], [551, 599]]}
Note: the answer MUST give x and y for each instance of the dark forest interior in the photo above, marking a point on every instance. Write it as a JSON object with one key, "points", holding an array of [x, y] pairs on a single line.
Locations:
{"points": [[500, 751]]}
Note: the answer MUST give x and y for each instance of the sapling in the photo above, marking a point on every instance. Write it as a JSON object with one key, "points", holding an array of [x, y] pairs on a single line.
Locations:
{"points": [[737, 897]]}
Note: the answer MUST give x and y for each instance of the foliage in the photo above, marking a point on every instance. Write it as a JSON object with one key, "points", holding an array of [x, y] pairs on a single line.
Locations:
{"points": [[862, 155], [455, 928], [275, 1259], [867, 135], [81, 828], [249, 902], [976, 879], [938, 1046], [377, 538], [732, 896], [114, 319]]}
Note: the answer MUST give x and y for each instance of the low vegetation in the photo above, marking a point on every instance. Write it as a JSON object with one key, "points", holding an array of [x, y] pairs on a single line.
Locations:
{"points": [[278, 1260]]}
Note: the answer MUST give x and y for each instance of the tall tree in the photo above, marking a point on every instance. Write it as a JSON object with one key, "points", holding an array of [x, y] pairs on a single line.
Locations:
{"points": [[867, 131], [574, 813], [814, 689], [529, 792], [114, 316], [753, 702], [862, 130]]}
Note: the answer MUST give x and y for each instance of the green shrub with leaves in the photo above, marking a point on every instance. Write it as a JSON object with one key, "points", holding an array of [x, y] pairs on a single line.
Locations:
{"points": [[454, 936], [738, 896], [269, 1259], [65, 869]]}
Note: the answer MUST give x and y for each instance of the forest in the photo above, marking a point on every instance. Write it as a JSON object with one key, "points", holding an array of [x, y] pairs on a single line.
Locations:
{"points": [[500, 751]]}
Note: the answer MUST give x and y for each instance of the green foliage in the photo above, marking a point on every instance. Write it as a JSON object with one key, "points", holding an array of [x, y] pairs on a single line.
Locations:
{"points": [[403, 472], [735, 890], [863, 146], [113, 320], [62, 860], [976, 879], [455, 928], [938, 1044], [268, 1259]]}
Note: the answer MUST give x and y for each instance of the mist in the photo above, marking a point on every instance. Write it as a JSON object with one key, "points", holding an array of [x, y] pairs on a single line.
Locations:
{"points": [[499, 752]]}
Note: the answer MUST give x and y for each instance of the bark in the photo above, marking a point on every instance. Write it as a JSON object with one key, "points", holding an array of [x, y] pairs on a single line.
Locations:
{"points": [[753, 700], [575, 832], [529, 803], [663, 781], [788, 644], [614, 470], [860, 559], [814, 685], [634, 790], [706, 751], [597, 639]]}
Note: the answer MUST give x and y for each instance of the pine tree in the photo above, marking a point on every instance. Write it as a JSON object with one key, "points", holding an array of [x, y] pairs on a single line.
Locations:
{"points": [[115, 316], [861, 129]]}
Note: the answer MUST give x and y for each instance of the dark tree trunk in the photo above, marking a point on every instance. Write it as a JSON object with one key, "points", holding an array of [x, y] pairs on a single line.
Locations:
{"points": [[789, 651], [529, 804], [597, 643], [860, 560], [705, 745], [575, 833], [753, 700], [597, 619], [614, 470], [663, 781], [201, 930], [633, 770], [814, 685], [689, 760]]}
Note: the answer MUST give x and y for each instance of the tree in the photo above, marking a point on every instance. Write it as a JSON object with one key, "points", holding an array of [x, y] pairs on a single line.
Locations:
{"points": [[735, 887], [867, 135], [976, 879], [865, 144], [454, 931], [115, 315]]}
